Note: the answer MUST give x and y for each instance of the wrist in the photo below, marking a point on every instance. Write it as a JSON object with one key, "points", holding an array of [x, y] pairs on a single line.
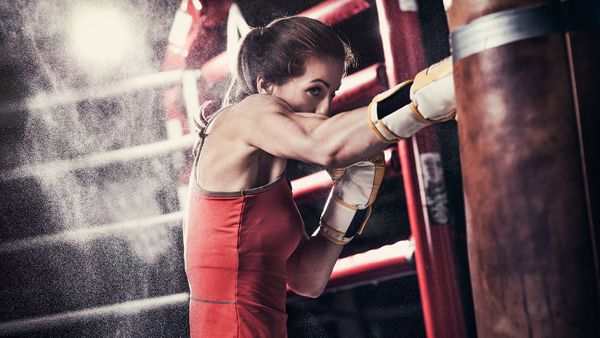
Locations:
{"points": [[334, 236], [390, 115], [340, 223], [336, 215], [403, 123]]}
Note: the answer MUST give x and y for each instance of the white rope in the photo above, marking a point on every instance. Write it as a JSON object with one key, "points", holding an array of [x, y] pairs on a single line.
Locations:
{"points": [[86, 234], [48, 100], [237, 29], [189, 84], [72, 317], [403, 248], [55, 168], [399, 249], [318, 179]]}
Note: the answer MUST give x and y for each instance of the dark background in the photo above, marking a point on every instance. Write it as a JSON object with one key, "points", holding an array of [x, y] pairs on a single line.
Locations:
{"points": [[56, 276]]}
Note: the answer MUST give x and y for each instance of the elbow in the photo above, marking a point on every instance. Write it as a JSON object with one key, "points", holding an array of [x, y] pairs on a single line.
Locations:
{"points": [[327, 161], [326, 155], [334, 160], [307, 286], [317, 292], [329, 152], [308, 292], [312, 294]]}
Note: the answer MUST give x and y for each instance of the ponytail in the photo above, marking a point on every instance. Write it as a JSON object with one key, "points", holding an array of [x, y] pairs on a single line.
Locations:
{"points": [[278, 52]]}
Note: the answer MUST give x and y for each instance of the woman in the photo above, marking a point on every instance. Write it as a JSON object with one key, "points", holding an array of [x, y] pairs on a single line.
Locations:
{"points": [[244, 238]]}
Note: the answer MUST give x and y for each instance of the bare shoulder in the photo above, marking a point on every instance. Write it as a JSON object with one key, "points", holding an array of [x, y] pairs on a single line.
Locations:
{"points": [[226, 162], [261, 104]]}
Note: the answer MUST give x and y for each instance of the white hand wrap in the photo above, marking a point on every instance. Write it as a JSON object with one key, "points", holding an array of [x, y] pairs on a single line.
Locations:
{"points": [[432, 92], [354, 188], [400, 112]]}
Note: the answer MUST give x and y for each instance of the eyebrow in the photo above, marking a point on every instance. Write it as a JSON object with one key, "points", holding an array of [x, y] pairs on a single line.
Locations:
{"points": [[325, 83], [322, 81]]}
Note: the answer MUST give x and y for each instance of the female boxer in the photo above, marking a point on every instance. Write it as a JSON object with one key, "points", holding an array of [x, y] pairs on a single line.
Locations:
{"points": [[244, 238]]}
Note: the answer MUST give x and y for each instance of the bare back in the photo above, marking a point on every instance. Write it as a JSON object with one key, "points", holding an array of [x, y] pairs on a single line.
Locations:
{"points": [[228, 164]]}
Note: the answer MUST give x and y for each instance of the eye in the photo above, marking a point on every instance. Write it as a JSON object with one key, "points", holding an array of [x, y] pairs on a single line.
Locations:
{"points": [[315, 91]]}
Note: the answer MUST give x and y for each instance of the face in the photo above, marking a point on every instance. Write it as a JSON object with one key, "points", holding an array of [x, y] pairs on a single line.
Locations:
{"points": [[314, 90]]}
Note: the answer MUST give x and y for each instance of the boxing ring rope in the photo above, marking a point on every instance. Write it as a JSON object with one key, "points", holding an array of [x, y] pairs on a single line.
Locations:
{"points": [[376, 265], [336, 11], [86, 234], [356, 87], [48, 100], [66, 318], [373, 266], [304, 189], [360, 87], [44, 101], [96, 160]]}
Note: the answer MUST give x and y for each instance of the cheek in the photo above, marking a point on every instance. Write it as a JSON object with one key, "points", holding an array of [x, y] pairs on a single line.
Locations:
{"points": [[305, 105], [286, 94], [299, 100]]}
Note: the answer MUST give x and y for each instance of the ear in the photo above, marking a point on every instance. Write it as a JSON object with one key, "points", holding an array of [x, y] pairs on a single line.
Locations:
{"points": [[263, 86]]}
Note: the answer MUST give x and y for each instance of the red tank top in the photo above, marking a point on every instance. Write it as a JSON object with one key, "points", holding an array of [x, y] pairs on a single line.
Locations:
{"points": [[236, 247]]}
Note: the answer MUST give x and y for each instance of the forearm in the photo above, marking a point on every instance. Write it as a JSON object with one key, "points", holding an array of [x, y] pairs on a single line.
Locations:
{"points": [[309, 268], [345, 214], [266, 122], [347, 138], [396, 114]]}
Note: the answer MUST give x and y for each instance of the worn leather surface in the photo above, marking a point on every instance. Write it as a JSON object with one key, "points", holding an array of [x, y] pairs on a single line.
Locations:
{"points": [[530, 245]]}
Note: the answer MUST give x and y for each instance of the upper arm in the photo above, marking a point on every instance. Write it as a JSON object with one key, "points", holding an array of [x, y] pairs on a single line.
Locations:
{"points": [[269, 125], [292, 264]]}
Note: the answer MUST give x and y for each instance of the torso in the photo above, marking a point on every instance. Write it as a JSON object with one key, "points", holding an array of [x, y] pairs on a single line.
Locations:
{"points": [[241, 226]]}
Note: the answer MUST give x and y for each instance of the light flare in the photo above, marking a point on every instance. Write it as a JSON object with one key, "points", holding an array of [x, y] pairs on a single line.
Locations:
{"points": [[100, 35]]}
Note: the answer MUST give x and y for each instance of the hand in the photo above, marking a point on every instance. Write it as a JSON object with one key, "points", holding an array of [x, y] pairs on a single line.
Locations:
{"points": [[349, 204], [432, 92], [405, 109]]}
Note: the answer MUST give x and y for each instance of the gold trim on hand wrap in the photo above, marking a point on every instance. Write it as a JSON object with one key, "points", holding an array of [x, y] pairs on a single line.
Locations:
{"points": [[383, 133], [334, 236]]}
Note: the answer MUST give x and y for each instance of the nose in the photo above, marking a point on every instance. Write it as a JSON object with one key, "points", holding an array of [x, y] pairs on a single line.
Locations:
{"points": [[324, 107]]}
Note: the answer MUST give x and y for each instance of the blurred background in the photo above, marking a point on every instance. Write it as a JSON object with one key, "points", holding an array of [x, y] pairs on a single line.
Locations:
{"points": [[92, 172]]}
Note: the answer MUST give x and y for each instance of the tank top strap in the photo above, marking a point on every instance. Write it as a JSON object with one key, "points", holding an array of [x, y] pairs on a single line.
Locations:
{"points": [[202, 134]]}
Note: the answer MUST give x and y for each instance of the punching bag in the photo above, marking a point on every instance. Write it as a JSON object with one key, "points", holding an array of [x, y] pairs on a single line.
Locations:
{"points": [[531, 239]]}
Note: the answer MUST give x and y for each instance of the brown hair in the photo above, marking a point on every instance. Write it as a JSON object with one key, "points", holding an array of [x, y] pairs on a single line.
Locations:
{"points": [[279, 51]]}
